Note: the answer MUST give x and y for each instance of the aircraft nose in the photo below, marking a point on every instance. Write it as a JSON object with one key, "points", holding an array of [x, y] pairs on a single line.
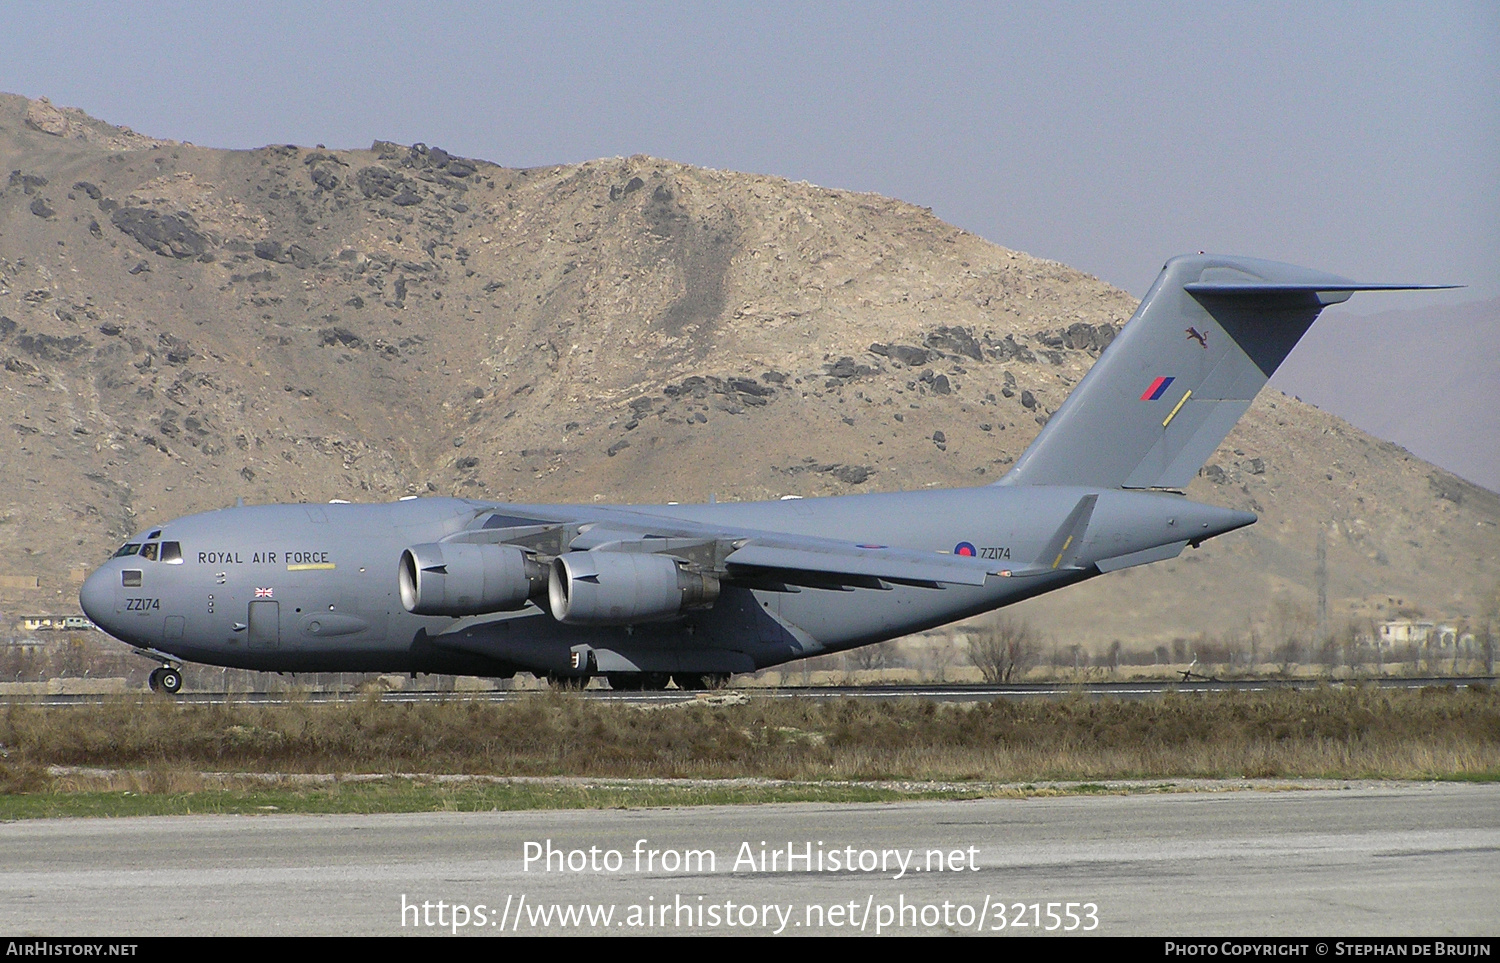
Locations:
{"points": [[97, 597]]}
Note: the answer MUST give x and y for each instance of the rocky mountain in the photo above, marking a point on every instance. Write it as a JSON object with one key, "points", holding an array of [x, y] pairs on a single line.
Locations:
{"points": [[181, 326], [1427, 379]]}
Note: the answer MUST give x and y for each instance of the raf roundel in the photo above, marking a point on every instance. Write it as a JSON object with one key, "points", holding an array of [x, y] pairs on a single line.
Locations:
{"points": [[965, 548]]}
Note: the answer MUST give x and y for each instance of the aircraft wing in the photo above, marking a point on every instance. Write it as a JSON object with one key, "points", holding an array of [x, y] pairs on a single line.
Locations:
{"points": [[856, 564], [767, 557], [830, 558]]}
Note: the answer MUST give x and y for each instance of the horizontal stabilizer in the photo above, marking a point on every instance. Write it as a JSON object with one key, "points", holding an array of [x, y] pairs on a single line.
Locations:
{"points": [[1322, 293], [1158, 554]]}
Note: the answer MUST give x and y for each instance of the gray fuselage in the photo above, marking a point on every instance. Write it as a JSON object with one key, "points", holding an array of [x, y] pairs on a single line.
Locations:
{"points": [[313, 588]]}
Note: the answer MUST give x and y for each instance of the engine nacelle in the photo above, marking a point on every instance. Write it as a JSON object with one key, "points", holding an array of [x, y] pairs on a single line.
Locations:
{"points": [[458, 578], [622, 588]]}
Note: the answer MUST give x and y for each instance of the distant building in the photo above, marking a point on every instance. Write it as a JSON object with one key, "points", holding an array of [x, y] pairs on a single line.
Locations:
{"points": [[55, 623], [26, 646], [1400, 632]]}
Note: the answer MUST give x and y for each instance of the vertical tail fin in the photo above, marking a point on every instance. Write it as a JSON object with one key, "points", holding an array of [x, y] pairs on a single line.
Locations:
{"points": [[1204, 341]]}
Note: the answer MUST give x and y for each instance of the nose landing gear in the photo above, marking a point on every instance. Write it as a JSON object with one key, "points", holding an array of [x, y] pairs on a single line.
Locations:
{"points": [[165, 679]]}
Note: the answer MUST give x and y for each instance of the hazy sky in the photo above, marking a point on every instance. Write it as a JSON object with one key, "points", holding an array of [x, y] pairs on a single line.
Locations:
{"points": [[1360, 138]]}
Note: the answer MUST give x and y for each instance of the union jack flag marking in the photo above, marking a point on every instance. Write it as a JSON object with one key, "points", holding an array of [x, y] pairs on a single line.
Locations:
{"points": [[263, 593]]}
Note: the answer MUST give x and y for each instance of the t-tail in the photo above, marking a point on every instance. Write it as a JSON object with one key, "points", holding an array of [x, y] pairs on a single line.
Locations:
{"points": [[1205, 339]]}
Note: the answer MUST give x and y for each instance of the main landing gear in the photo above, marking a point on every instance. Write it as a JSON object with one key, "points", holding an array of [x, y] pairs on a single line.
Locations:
{"points": [[165, 679]]}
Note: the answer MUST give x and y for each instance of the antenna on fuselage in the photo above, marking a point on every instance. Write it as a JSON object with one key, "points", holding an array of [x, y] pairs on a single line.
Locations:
{"points": [[239, 502]]}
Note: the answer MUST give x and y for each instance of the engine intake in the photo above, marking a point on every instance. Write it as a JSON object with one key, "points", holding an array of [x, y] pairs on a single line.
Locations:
{"points": [[622, 588], [457, 578]]}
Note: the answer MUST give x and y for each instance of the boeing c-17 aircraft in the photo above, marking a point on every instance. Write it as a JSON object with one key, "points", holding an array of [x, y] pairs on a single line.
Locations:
{"points": [[647, 595]]}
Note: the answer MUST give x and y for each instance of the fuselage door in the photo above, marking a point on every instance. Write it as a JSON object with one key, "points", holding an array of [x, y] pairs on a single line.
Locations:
{"points": [[265, 625]]}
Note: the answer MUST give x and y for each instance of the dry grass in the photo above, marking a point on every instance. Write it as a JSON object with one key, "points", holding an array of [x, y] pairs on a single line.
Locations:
{"points": [[1331, 733]]}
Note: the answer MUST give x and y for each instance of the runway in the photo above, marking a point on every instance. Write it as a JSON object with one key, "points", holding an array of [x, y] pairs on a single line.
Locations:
{"points": [[1370, 859], [1138, 689]]}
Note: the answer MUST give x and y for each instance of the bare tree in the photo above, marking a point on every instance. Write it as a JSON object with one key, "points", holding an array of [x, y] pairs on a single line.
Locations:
{"points": [[1292, 626], [938, 659], [1355, 649], [1003, 649], [1486, 637], [1330, 653], [1288, 654], [882, 655], [1412, 656], [70, 658]]}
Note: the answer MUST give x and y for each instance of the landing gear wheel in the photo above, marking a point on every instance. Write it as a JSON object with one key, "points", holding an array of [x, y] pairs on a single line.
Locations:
{"points": [[165, 679]]}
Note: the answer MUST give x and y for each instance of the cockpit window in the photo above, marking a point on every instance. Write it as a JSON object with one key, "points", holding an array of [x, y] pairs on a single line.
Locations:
{"points": [[171, 553], [149, 551], [130, 548], [155, 534]]}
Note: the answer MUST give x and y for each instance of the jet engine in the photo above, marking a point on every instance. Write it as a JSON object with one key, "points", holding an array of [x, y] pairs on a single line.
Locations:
{"points": [[458, 578], [622, 588]]}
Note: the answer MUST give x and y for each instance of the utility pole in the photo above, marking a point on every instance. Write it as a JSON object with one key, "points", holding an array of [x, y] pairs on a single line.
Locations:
{"points": [[1322, 585]]}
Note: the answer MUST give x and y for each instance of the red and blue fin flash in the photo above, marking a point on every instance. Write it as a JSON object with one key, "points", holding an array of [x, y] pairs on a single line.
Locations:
{"points": [[1158, 388]]}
